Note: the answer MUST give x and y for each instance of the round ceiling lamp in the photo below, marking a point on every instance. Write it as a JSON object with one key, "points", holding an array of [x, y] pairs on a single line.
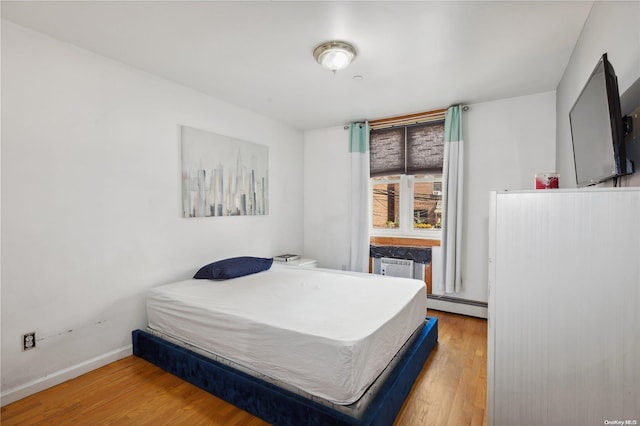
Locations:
{"points": [[334, 55]]}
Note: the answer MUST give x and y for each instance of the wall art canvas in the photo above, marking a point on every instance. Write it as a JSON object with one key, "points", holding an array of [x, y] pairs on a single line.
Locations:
{"points": [[223, 176]]}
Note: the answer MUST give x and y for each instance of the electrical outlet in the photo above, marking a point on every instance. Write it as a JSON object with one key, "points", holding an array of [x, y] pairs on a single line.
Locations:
{"points": [[28, 341]]}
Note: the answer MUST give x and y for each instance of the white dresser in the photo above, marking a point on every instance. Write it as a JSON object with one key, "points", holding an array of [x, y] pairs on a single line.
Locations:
{"points": [[564, 307]]}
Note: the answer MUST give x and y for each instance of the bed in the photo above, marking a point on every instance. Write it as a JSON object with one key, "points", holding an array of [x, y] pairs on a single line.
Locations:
{"points": [[294, 345]]}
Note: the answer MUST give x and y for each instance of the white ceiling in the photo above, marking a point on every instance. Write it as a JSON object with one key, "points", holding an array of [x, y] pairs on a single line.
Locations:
{"points": [[414, 56]]}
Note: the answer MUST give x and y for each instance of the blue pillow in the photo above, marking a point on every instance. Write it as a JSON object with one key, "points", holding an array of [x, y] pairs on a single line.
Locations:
{"points": [[233, 267]]}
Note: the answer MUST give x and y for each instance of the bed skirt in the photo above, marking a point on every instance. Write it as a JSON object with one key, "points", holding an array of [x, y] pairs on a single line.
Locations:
{"points": [[279, 406]]}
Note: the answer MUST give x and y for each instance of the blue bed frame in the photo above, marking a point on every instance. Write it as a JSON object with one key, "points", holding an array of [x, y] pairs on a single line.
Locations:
{"points": [[279, 406]]}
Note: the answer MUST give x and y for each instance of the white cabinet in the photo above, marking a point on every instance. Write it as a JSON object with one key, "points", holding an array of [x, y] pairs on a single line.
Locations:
{"points": [[564, 307], [303, 263]]}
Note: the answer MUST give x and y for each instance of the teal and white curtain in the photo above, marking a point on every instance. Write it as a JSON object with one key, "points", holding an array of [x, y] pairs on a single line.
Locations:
{"points": [[452, 182], [359, 152]]}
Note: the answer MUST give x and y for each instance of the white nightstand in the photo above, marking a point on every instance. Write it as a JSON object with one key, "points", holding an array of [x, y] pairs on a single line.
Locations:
{"points": [[302, 263]]}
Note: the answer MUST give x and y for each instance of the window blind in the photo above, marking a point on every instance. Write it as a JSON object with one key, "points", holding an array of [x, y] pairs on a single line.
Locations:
{"points": [[387, 152], [413, 149], [425, 148]]}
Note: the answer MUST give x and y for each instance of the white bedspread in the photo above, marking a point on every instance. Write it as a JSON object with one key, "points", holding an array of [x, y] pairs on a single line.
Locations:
{"points": [[326, 332]]}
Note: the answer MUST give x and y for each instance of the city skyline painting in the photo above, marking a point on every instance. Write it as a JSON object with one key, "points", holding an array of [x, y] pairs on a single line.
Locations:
{"points": [[223, 176]]}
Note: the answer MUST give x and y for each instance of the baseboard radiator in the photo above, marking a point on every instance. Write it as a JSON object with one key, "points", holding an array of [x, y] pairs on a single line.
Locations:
{"points": [[450, 299], [456, 305]]}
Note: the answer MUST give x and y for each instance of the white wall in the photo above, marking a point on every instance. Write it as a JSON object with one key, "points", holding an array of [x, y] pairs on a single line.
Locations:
{"points": [[327, 174], [91, 215], [612, 28], [506, 143]]}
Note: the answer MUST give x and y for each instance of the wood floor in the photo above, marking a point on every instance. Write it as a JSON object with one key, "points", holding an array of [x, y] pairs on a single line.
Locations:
{"points": [[450, 390]]}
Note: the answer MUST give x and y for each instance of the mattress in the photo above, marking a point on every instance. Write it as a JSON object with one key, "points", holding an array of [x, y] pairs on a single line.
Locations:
{"points": [[328, 333]]}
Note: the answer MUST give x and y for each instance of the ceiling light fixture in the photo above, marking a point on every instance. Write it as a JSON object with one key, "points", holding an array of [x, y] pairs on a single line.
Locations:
{"points": [[334, 55]]}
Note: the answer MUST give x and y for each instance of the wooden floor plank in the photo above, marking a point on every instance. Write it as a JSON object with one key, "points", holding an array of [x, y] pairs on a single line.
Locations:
{"points": [[450, 390]]}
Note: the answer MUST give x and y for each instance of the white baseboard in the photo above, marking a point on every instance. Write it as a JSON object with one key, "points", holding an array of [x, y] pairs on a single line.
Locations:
{"points": [[61, 376], [457, 308]]}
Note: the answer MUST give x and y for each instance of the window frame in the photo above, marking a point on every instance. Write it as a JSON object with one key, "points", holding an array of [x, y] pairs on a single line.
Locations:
{"points": [[407, 179], [406, 214]]}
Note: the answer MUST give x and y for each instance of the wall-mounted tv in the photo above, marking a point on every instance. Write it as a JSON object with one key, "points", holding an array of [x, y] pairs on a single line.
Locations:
{"points": [[597, 129]]}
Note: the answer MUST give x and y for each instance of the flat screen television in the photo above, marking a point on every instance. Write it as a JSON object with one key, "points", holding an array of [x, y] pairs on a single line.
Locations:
{"points": [[597, 129]]}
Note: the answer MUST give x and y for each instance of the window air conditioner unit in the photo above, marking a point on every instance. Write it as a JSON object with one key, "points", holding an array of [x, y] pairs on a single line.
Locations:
{"points": [[396, 267], [437, 188]]}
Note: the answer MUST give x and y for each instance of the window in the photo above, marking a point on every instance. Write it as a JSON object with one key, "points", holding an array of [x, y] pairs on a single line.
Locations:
{"points": [[406, 179], [407, 205], [427, 202], [386, 202]]}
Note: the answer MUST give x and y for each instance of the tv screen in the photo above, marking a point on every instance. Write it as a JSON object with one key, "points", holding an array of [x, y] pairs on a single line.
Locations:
{"points": [[596, 128]]}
